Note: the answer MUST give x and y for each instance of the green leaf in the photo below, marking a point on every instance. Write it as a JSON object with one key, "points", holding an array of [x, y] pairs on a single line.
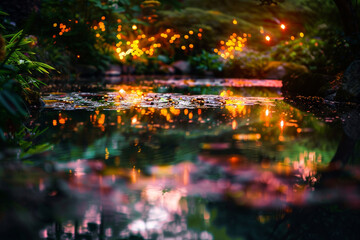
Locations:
{"points": [[6, 105], [120, 10], [16, 36], [44, 65], [37, 149], [15, 101]]}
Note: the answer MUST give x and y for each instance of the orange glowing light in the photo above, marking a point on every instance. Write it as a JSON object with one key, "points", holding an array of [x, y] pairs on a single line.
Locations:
{"points": [[234, 124], [103, 18], [191, 46], [282, 123], [191, 32], [267, 112], [134, 27], [78, 56], [234, 22], [183, 47], [101, 120], [191, 115], [282, 26], [133, 175], [268, 38], [133, 120], [62, 120], [234, 159], [54, 122]]}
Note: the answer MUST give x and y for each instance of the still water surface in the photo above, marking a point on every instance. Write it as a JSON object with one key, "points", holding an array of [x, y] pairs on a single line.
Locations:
{"points": [[181, 160]]}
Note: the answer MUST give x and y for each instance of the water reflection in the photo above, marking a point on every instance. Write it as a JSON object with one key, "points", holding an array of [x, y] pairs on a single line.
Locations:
{"points": [[179, 171]]}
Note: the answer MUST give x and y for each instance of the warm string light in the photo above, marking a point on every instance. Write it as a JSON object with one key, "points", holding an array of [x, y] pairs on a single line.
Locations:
{"points": [[232, 46], [136, 44]]}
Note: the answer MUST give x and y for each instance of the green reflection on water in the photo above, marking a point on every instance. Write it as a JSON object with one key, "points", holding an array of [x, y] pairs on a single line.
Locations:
{"points": [[145, 136], [180, 171]]}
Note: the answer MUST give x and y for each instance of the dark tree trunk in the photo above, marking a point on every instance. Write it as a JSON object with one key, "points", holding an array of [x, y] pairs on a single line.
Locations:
{"points": [[348, 17]]}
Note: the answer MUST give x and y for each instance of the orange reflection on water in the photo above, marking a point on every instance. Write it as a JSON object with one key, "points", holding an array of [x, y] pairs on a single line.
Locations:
{"points": [[174, 111], [247, 137], [134, 120], [234, 124], [101, 120], [133, 175], [191, 115], [282, 124], [62, 120]]}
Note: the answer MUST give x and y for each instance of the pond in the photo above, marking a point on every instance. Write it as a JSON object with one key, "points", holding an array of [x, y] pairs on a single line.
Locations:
{"points": [[180, 159]]}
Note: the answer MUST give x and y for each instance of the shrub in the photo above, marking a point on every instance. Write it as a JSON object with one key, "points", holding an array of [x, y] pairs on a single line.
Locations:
{"points": [[308, 52], [250, 65], [206, 62]]}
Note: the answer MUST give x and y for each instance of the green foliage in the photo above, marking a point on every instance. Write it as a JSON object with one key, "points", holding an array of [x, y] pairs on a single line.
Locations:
{"points": [[18, 75], [339, 51], [2, 14], [330, 54], [249, 65], [26, 139], [305, 51], [18, 65], [81, 43], [216, 26], [206, 62]]}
